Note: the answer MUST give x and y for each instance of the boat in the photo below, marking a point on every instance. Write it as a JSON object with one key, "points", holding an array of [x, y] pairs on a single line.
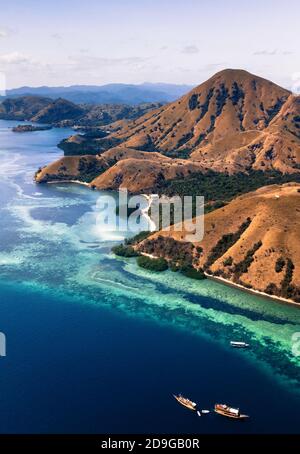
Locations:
{"points": [[230, 412], [239, 344], [205, 412], [186, 402]]}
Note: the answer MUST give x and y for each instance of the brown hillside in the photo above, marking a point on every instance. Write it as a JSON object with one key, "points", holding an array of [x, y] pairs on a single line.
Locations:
{"points": [[226, 112], [231, 123], [270, 218], [146, 172], [118, 167]]}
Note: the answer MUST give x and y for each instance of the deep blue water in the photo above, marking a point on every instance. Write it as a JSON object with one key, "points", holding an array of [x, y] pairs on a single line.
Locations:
{"points": [[96, 345]]}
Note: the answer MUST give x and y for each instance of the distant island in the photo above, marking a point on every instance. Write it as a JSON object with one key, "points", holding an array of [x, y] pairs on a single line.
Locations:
{"points": [[117, 94], [63, 113], [30, 128]]}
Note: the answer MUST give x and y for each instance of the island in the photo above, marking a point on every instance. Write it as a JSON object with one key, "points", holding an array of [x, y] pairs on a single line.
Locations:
{"points": [[235, 140], [30, 128]]}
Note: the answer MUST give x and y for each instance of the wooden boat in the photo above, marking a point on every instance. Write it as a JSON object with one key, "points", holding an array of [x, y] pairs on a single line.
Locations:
{"points": [[239, 344], [186, 402], [230, 412]]}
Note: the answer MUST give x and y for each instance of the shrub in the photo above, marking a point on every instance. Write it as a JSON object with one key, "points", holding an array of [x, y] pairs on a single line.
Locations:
{"points": [[279, 265], [237, 93], [285, 283], [192, 273], [137, 238], [272, 289], [225, 243], [228, 261], [242, 267], [193, 101], [179, 252], [125, 251], [152, 264]]}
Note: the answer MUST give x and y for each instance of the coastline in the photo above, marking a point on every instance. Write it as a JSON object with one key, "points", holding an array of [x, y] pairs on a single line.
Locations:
{"points": [[223, 281], [252, 291], [82, 183], [214, 278]]}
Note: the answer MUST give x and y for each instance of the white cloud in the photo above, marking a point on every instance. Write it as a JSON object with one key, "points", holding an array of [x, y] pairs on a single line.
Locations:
{"points": [[86, 63], [265, 52], [190, 50], [106, 61], [15, 58], [213, 66], [270, 53]]}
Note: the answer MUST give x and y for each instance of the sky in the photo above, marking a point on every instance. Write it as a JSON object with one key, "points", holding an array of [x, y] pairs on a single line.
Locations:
{"points": [[64, 42]]}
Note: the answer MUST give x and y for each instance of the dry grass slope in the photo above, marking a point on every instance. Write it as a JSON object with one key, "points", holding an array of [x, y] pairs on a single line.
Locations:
{"points": [[250, 256]]}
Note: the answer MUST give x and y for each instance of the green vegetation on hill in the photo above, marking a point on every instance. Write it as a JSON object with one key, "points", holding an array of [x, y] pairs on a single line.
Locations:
{"points": [[138, 237], [193, 273], [279, 264], [152, 264], [242, 267], [125, 251], [215, 186], [169, 253], [89, 170], [226, 242], [286, 289], [181, 255], [87, 145]]}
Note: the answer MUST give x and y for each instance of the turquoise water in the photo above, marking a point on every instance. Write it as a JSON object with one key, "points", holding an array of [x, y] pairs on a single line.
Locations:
{"points": [[95, 344]]}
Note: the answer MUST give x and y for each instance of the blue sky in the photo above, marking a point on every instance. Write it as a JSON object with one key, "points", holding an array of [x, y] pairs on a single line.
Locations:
{"points": [[95, 42]]}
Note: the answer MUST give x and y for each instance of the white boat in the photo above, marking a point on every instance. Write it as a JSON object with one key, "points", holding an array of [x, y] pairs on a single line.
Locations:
{"points": [[229, 412], [186, 402], [239, 344]]}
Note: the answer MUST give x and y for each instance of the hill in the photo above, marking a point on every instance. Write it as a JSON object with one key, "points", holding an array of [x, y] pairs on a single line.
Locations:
{"points": [[23, 108], [61, 112], [253, 241], [231, 122], [58, 110], [235, 122]]}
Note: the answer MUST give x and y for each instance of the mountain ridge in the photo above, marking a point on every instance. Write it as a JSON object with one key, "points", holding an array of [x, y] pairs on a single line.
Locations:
{"points": [[234, 122], [131, 94]]}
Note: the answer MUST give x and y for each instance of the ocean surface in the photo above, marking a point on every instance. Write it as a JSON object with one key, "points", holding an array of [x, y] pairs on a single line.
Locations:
{"points": [[96, 345]]}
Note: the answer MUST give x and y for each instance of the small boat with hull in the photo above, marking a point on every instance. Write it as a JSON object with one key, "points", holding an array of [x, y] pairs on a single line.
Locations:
{"points": [[230, 412], [239, 344], [186, 402]]}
